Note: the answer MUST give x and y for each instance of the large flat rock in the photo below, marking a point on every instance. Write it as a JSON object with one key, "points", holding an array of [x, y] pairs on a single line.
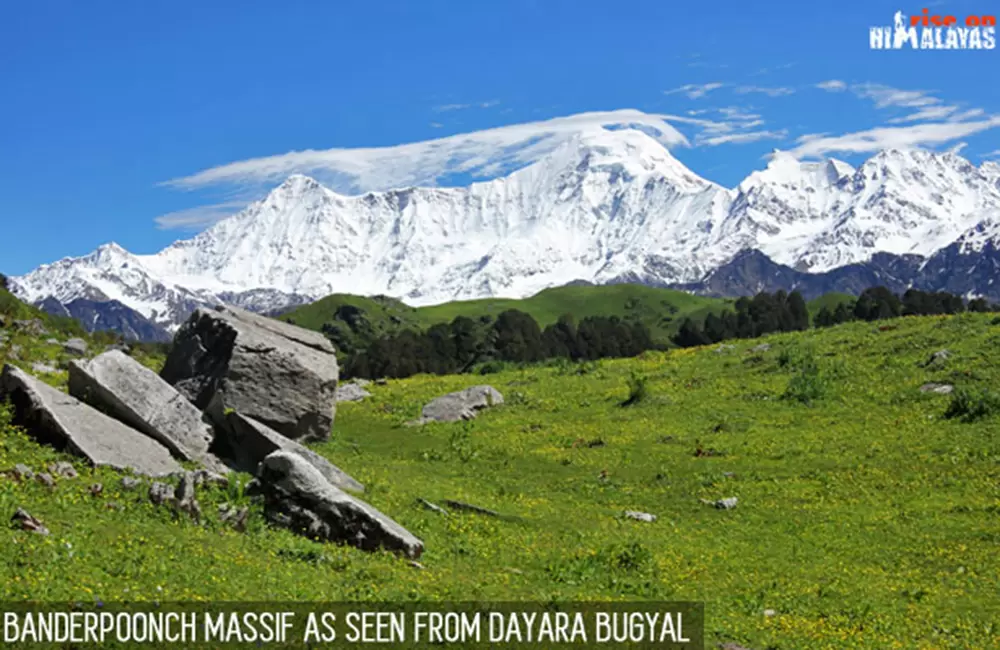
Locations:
{"points": [[59, 419], [299, 497], [460, 405], [276, 373], [124, 388], [245, 443]]}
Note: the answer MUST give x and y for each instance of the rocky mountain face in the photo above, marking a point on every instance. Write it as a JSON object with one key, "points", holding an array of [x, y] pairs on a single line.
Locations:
{"points": [[608, 206], [108, 315]]}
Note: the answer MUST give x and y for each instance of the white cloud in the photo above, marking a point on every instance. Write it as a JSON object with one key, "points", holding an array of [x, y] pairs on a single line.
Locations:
{"points": [[771, 92], [891, 137], [929, 113], [736, 113], [886, 96], [957, 148], [198, 217], [695, 91], [436, 125], [481, 154], [967, 115], [741, 138], [992, 154], [444, 108], [833, 85]]}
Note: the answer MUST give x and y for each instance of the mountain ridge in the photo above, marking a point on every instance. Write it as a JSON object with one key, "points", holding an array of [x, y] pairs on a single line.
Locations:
{"points": [[607, 206]]}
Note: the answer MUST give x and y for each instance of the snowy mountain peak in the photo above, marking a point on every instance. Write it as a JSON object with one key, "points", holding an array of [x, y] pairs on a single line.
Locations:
{"points": [[605, 204]]}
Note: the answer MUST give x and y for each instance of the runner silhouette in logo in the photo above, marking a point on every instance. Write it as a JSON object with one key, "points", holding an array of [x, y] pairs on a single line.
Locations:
{"points": [[901, 35]]}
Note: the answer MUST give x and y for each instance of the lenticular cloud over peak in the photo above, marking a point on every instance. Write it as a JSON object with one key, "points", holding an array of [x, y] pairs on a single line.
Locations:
{"points": [[480, 155]]}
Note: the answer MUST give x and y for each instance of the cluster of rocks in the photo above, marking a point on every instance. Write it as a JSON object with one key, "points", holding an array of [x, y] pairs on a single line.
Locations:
{"points": [[238, 391]]}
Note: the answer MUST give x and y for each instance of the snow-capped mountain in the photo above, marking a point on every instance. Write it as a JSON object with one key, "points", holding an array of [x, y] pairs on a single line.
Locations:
{"points": [[606, 206]]}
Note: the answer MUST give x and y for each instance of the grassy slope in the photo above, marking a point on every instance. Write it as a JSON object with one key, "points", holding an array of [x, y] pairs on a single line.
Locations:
{"points": [[24, 349], [660, 309], [830, 301], [865, 520]]}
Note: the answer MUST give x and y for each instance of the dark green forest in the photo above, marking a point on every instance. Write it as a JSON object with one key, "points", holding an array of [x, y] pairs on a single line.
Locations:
{"points": [[486, 344]]}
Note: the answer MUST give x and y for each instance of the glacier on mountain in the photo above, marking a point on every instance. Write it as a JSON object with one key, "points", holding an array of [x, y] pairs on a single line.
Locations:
{"points": [[606, 205]]}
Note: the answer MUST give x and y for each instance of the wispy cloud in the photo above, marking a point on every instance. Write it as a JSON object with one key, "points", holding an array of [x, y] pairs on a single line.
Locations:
{"points": [[992, 154], [926, 106], [436, 125], [967, 115], [916, 135], [783, 66], [926, 113], [445, 108], [695, 91], [742, 138], [833, 85], [887, 96], [481, 154], [198, 217], [735, 126], [957, 148], [770, 92]]}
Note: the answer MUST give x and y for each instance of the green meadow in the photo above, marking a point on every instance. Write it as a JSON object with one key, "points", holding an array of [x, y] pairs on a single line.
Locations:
{"points": [[868, 512]]}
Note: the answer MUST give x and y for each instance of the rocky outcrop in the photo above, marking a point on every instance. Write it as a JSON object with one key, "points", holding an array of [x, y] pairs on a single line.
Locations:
{"points": [[297, 496], [274, 372], [75, 347], [461, 405], [351, 393], [246, 443], [59, 419], [134, 394]]}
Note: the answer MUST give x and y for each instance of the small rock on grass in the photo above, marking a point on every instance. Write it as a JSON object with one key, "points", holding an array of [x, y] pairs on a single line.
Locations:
{"points": [[46, 479], [130, 483], [640, 516], [940, 389], [159, 492], [23, 472], [25, 521], [722, 504], [63, 469]]}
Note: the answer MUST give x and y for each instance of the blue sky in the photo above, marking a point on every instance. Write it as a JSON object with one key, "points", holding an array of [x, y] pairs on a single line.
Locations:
{"points": [[106, 102]]}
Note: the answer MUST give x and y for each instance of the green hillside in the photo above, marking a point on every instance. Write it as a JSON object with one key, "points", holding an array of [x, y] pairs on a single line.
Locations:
{"points": [[12, 309], [661, 310], [830, 301], [868, 511]]}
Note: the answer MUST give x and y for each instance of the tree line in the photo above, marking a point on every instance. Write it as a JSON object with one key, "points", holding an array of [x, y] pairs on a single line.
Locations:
{"points": [[763, 314], [514, 336], [766, 313]]}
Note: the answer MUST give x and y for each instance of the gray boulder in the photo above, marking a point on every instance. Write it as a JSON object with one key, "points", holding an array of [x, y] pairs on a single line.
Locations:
{"points": [[940, 389], [351, 393], [76, 347], [134, 394], [43, 368], [246, 443], [55, 417], [461, 405], [276, 373], [297, 496], [640, 516]]}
